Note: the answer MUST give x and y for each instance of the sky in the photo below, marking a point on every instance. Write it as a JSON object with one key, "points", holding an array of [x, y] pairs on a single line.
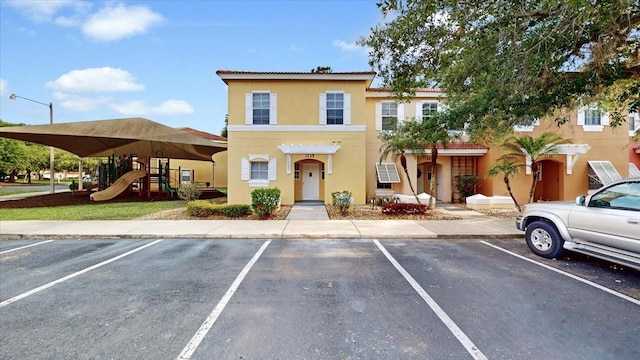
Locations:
{"points": [[157, 59]]}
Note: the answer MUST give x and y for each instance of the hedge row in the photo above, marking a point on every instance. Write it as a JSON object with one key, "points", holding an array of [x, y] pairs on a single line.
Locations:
{"points": [[204, 208], [403, 208]]}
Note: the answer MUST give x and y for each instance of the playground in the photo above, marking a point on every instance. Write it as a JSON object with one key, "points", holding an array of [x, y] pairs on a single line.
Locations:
{"points": [[138, 153]]}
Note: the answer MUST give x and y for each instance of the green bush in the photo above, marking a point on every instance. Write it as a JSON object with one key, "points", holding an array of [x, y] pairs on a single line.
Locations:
{"points": [[466, 185], [199, 208], [234, 210], [189, 191], [341, 201], [204, 208], [403, 208], [265, 201]]}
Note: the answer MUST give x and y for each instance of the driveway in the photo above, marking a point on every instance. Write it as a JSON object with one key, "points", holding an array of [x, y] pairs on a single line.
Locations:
{"points": [[309, 299]]}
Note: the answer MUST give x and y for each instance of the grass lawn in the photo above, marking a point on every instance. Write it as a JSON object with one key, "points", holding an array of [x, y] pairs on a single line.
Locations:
{"points": [[16, 191], [106, 211]]}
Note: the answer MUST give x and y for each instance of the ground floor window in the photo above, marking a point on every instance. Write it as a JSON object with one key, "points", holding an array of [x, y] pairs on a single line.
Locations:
{"points": [[259, 170], [185, 176]]}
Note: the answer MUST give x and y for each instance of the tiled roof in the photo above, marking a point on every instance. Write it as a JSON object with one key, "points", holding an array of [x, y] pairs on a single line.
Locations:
{"points": [[461, 146], [202, 134], [436, 90], [225, 72]]}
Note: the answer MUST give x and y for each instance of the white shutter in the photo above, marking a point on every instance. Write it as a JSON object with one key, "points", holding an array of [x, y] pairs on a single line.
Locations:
{"points": [[245, 169], [322, 118], [378, 116], [273, 169], [248, 109], [581, 115], [347, 109], [273, 109], [604, 118], [400, 112], [419, 111]]}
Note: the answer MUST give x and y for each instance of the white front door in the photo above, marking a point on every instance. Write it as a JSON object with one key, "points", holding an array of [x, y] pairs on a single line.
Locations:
{"points": [[311, 181]]}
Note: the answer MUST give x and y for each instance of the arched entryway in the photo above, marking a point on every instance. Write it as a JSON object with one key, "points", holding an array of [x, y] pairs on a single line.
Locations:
{"points": [[309, 180], [549, 181]]}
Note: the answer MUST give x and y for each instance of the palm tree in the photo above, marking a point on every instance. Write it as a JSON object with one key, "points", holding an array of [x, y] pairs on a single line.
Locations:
{"points": [[396, 142], [533, 148], [417, 136], [433, 132], [508, 166]]}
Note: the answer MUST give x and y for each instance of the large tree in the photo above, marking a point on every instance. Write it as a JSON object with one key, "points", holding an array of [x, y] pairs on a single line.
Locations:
{"points": [[503, 62]]}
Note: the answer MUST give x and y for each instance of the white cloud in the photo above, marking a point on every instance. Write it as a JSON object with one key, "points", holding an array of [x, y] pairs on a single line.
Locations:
{"points": [[80, 103], [117, 22], [44, 11], [167, 108], [351, 47], [93, 80], [3, 87]]}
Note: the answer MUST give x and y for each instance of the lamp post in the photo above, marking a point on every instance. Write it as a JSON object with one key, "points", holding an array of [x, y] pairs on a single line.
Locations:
{"points": [[51, 154]]}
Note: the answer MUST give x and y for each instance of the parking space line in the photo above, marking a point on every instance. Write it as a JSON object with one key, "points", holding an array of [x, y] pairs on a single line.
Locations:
{"points": [[26, 246], [77, 273], [575, 277], [448, 322], [195, 341]]}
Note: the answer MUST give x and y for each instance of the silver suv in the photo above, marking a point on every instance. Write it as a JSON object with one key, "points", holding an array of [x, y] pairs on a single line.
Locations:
{"points": [[604, 224]]}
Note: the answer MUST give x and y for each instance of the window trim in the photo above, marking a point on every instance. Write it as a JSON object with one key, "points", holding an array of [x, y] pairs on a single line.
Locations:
{"points": [[273, 108], [346, 108], [604, 118]]}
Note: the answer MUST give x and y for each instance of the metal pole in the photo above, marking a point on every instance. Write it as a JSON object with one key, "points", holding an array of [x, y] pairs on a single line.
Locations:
{"points": [[51, 154]]}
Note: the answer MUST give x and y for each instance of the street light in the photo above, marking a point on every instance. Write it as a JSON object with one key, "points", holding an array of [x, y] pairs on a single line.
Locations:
{"points": [[51, 154]]}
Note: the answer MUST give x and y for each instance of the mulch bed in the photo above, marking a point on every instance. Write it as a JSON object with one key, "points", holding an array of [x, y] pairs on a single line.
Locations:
{"points": [[67, 198]]}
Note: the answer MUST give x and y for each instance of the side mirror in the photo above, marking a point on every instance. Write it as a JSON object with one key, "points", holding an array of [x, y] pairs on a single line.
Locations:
{"points": [[580, 200]]}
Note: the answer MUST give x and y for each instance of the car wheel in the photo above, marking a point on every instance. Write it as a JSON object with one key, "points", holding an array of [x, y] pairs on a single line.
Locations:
{"points": [[544, 240]]}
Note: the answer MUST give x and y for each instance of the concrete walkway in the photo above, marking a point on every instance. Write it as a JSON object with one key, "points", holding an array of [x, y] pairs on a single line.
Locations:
{"points": [[305, 221]]}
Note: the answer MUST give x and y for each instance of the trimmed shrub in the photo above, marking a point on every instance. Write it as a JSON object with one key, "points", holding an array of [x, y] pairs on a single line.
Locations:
{"points": [[189, 191], [403, 208], [199, 208], [234, 210], [341, 201], [265, 201], [204, 208]]}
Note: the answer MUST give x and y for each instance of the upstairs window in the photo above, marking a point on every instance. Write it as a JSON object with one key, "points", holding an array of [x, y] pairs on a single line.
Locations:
{"points": [[592, 118], [260, 108], [389, 115], [634, 123], [335, 108], [429, 110]]}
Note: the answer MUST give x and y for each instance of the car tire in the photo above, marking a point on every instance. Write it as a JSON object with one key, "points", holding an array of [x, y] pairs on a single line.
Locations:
{"points": [[544, 240]]}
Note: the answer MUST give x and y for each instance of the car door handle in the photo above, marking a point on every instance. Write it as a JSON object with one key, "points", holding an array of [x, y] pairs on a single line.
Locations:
{"points": [[633, 221]]}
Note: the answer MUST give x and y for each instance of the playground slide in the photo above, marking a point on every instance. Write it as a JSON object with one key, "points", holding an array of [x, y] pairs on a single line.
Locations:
{"points": [[118, 186]]}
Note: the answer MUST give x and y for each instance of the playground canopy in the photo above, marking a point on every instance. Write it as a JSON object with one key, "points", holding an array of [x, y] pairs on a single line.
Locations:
{"points": [[138, 136]]}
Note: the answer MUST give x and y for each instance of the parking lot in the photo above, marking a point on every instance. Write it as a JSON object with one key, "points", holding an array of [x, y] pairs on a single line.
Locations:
{"points": [[310, 299]]}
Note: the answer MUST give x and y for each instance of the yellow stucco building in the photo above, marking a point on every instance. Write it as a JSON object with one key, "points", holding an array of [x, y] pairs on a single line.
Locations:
{"points": [[312, 134]]}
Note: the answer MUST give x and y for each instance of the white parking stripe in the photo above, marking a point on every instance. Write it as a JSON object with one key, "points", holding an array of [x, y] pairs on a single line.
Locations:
{"points": [[455, 330], [24, 247], [77, 273], [597, 286], [195, 341]]}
